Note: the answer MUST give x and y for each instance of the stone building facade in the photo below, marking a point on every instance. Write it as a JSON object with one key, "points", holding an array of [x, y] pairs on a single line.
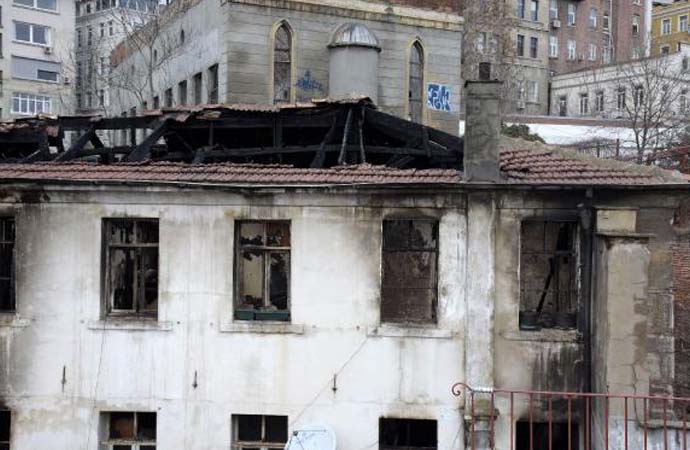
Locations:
{"points": [[670, 27], [258, 52]]}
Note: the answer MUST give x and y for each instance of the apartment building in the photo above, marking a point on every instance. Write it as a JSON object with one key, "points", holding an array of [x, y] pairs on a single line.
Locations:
{"points": [[670, 27], [405, 58], [590, 33], [200, 295], [100, 26], [37, 44]]}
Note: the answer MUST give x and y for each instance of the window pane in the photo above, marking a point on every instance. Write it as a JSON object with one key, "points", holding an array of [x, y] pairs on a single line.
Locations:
{"points": [[24, 2], [122, 279], [423, 234], [6, 259], [22, 31], [122, 447], [147, 231], [149, 275], [408, 286], [396, 234], [121, 231], [47, 4], [47, 75], [6, 295], [248, 428], [278, 234], [276, 428], [279, 276], [121, 425], [252, 233], [40, 34], [252, 279], [146, 426]]}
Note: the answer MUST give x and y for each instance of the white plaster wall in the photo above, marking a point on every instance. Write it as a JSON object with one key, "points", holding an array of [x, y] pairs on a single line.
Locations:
{"points": [[382, 371]]}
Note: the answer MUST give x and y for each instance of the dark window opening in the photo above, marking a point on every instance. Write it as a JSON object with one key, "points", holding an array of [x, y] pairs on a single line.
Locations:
{"points": [[254, 432], [559, 436], [416, 83], [213, 84], [407, 434], [5, 429], [196, 85], [130, 430], [263, 270], [282, 65], [182, 92], [7, 294], [485, 71], [131, 266], [548, 275], [409, 270], [168, 98]]}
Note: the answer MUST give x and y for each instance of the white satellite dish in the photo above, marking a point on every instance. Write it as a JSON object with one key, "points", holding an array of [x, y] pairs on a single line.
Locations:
{"points": [[312, 437]]}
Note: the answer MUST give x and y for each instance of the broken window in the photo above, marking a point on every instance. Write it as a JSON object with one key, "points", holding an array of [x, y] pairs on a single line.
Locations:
{"points": [[416, 82], [131, 266], [5, 429], [263, 270], [129, 430], [409, 270], [7, 297], [254, 432], [407, 434], [282, 65], [548, 275], [536, 436]]}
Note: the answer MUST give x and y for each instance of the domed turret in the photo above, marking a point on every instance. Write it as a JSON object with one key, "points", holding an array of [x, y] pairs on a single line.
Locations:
{"points": [[354, 62]]}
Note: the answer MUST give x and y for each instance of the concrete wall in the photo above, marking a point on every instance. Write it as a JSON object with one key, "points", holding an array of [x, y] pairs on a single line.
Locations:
{"points": [[283, 369]]}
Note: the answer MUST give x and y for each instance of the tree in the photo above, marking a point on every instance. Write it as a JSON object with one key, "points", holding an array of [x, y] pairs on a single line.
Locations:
{"points": [[650, 94], [489, 50]]}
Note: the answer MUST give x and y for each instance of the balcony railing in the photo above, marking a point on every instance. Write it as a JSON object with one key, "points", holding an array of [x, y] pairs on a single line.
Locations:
{"points": [[546, 420]]}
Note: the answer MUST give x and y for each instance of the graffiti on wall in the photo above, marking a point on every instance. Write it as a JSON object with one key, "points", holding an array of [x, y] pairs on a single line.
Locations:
{"points": [[438, 97], [307, 83]]}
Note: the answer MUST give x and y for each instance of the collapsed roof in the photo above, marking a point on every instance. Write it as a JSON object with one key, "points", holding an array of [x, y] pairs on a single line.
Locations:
{"points": [[323, 142]]}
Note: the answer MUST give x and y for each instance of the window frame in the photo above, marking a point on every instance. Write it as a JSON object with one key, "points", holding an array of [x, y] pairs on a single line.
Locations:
{"points": [[520, 45], [287, 65], [416, 113], [665, 27], [408, 422], [138, 296], [6, 221], [534, 47], [36, 7], [584, 104], [237, 444], [265, 250], [572, 14], [576, 272], [553, 46], [683, 23], [212, 81], [435, 223], [31, 41], [28, 98], [136, 443]]}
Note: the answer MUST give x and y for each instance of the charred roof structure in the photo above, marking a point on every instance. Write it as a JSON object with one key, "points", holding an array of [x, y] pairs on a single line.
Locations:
{"points": [[320, 134]]}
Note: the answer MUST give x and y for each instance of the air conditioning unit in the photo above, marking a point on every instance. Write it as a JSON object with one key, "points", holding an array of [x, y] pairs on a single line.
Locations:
{"points": [[66, 80], [48, 50], [555, 23]]}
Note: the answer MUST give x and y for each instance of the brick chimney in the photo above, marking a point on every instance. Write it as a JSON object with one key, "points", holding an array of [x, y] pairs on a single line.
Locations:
{"points": [[482, 131]]}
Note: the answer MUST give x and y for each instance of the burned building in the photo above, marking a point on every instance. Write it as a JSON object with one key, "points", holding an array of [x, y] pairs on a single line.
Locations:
{"points": [[245, 274]]}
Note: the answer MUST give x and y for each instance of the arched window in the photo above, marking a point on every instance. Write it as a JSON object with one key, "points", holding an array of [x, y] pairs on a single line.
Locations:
{"points": [[416, 82], [282, 65]]}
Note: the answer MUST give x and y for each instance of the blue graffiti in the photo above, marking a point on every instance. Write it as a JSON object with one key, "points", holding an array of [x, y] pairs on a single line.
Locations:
{"points": [[438, 97], [307, 83]]}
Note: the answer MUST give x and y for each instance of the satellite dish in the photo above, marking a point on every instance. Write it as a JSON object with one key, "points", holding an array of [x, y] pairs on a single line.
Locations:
{"points": [[312, 437]]}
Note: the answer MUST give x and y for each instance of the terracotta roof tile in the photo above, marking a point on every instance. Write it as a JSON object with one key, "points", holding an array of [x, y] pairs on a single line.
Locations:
{"points": [[224, 173], [556, 168]]}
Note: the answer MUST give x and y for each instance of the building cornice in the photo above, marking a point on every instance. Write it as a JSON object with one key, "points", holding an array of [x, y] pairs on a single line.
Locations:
{"points": [[365, 10]]}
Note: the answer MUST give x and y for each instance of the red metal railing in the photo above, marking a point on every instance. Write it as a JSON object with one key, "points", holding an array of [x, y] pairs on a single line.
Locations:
{"points": [[545, 420]]}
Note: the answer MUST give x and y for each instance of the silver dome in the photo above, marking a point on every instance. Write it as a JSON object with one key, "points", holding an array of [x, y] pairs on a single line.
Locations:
{"points": [[354, 34]]}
